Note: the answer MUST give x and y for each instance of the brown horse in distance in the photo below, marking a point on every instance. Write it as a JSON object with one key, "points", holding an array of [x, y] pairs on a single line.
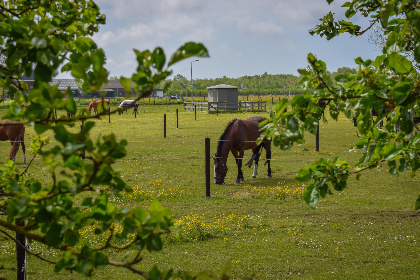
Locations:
{"points": [[94, 104], [240, 135], [15, 132]]}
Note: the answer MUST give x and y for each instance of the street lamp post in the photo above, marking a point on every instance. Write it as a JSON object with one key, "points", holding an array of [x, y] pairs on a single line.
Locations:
{"points": [[192, 80]]}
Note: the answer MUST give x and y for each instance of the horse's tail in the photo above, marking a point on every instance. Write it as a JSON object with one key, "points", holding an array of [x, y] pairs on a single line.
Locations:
{"points": [[90, 106], [254, 155]]}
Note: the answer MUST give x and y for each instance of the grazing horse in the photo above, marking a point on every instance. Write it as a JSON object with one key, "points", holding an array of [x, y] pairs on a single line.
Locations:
{"points": [[129, 103], [240, 135], [94, 104], [15, 132]]}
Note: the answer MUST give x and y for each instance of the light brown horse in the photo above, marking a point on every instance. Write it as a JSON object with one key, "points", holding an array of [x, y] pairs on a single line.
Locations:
{"points": [[15, 132], [240, 135], [94, 104]]}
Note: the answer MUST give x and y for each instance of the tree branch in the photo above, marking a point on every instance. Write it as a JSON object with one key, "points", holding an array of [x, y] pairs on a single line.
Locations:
{"points": [[25, 248]]}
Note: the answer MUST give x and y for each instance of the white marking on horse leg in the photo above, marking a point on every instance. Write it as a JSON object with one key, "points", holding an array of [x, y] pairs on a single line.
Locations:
{"points": [[24, 158], [214, 174], [254, 175]]}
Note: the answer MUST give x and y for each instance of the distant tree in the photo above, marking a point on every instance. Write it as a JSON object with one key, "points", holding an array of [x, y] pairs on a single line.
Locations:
{"points": [[264, 84], [343, 71], [389, 84], [38, 37]]}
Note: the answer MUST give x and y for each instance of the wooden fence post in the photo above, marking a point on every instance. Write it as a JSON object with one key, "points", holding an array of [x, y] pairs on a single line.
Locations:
{"points": [[177, 118], [317, 138], [207, 166], [164, 125]]}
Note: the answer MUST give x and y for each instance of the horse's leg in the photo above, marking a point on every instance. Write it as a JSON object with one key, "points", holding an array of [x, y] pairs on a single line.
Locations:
{"points": [[257, 158], [238, 160], [15, 148], [240, 173], [23, 149], [11, 154], [240, 176]]}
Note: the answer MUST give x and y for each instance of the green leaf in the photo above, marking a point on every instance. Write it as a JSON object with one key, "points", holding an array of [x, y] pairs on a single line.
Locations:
{"points": [[103, 107], [156, 211], [71, 237], [39, 43], [155, 274], [130, 225], [140, 214], [401, 90], [158, 59], [399, 64], [311, 196], [100, 260], [71, 148], [304, 175], [417, 206], [71, 106], [43, 73], [40, 128], [154, 243], [54, 235], [188, 50], [126, 83], [391, 150]]}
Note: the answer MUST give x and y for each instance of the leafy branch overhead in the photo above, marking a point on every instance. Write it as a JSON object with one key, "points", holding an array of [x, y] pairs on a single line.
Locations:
{"points": [[385, 88], [43, 38]]}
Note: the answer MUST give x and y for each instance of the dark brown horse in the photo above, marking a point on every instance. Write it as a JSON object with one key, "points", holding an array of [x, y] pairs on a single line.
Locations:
{"points": [[15, 132], [95, 103], [240, 135]]}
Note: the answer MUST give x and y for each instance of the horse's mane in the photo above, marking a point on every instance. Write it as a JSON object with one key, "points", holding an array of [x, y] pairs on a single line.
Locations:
{"points": [[222, 137], [90, 105]]}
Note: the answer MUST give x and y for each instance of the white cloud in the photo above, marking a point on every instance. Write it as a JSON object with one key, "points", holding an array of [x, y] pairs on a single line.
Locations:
{"points": [[259, 31], [146, 9], [229, 52]]}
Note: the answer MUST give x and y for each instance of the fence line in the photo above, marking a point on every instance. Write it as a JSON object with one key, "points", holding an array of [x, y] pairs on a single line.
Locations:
{"points": [[225, 106]]}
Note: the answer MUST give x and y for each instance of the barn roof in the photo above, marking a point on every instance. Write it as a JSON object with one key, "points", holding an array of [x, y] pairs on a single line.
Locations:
{"points": [[221, 86], [64, 84], [113, 84]]}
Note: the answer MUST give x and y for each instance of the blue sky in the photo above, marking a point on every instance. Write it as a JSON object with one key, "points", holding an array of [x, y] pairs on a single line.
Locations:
{"points": [[244, 37]]}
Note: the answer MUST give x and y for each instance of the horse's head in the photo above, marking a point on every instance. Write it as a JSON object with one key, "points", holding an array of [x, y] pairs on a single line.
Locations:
{"points": [[220, 170]]}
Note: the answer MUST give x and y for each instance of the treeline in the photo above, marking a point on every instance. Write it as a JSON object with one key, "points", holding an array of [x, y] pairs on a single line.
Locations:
{"points": [[265, 84]]}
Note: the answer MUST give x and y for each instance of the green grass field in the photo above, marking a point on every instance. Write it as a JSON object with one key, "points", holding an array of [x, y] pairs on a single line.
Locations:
{"points": [[261, 228]]}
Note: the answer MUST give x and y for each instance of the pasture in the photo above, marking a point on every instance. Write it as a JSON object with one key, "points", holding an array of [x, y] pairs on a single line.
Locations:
{"points": [[261, 228]]}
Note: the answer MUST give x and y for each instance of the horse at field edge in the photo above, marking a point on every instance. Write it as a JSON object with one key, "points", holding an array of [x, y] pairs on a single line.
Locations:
{"points": [[240, 135], [15, 133], [129, 103], [95, 103]]}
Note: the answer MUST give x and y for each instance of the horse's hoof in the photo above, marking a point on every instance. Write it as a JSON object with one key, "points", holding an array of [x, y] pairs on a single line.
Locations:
{"points": [[242, 179], [237, 182], [253, 176], [269, 176]]}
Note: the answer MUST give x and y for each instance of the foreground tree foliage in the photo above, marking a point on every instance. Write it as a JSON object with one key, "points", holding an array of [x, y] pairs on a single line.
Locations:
{"points": [[39, 38], [389, 84]]}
